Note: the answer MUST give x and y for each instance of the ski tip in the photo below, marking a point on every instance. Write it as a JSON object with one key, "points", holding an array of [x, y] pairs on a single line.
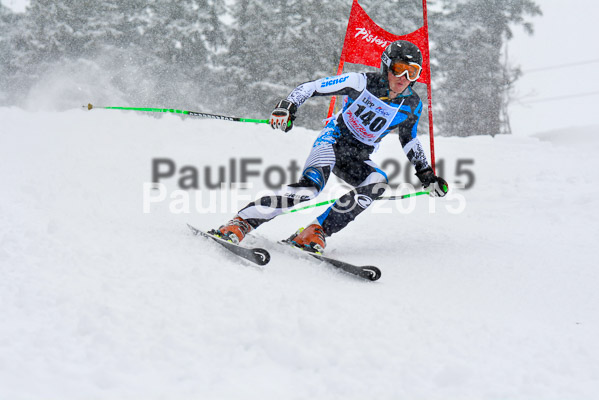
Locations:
{"points": [[195, 231], [262, 256], [372, 273]]}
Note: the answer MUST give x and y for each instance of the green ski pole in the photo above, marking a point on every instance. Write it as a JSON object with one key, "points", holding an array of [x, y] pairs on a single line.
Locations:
{"points": [[405, 196], [184, 112]]}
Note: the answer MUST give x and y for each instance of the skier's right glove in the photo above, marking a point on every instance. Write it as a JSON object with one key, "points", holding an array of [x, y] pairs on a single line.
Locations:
{"points": [[436, 186], [283, 115]]}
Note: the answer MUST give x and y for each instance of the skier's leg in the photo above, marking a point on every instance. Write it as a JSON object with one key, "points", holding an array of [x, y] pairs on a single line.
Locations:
{"points": [[351, 204], [315, 174], [370, 183], [268, 207]]}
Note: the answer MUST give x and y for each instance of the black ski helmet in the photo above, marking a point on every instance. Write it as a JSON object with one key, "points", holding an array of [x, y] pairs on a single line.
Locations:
{"points": [[400, 50]]}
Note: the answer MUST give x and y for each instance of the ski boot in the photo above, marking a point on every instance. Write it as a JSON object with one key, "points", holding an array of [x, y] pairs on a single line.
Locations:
{"points": [[233, 231], [311, 238]]}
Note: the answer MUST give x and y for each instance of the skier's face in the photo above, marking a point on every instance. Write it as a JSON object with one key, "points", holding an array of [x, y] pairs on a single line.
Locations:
{"points": [[397, 84]]}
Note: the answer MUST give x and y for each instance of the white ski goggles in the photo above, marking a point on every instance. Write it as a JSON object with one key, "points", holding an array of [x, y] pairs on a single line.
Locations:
{"points": [[410, 70]]}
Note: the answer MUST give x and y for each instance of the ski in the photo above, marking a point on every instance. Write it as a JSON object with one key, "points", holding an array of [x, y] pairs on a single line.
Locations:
{"points": [[369, 272], [255, 255]]}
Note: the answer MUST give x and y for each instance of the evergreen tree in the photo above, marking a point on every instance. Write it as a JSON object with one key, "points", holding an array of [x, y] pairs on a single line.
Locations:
{"points": [[7, 23], [278, 44], [317, 45], [471, 80], [169, 44]]}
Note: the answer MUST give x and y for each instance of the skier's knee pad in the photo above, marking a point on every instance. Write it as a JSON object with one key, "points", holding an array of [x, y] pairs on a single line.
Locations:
{"points": [[309, 186], [316, 176]]}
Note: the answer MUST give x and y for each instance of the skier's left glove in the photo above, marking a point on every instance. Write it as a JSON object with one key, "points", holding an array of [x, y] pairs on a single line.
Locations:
{"points": [[436, 186], [283, 115]]}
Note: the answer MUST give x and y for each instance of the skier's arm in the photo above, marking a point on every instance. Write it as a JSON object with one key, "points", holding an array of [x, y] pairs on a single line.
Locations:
{"points": [[415, 154], [284, 113], [436, 186], [331, 86], [410, 142]]}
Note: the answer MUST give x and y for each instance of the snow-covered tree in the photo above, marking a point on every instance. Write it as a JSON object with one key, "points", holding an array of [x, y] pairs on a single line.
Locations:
{"points": [[471, 78]]}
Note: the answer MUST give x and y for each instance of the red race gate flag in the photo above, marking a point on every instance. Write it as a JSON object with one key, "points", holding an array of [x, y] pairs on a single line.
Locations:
{"points": [[365, 41]]}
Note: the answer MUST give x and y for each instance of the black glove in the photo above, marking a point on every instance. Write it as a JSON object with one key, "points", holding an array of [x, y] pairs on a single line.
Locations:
{"points": [[436, 186], [283, 115]]}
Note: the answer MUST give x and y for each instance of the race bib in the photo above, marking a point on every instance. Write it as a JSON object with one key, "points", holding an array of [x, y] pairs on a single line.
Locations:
{"points": [[368, 117]]}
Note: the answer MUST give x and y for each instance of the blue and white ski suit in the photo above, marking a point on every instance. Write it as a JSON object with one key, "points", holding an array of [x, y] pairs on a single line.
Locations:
{"points": [[344, 147]]}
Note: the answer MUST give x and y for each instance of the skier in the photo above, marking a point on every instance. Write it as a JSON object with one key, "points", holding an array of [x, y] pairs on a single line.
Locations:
{"points": [[375, 104]]}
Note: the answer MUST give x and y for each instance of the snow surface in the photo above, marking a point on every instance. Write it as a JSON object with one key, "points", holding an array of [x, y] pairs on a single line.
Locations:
{"points": [[103, 301]]}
